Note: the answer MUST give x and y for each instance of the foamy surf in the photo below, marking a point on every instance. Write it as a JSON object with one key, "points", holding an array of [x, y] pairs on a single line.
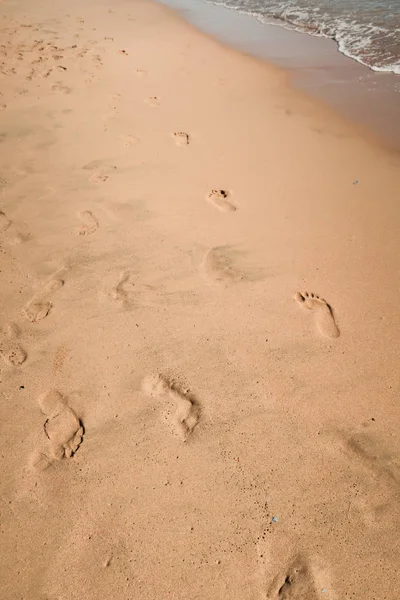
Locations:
{"points": [[365, 30]]}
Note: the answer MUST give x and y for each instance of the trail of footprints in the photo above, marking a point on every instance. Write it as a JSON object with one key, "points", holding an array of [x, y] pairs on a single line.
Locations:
{"points": [[63, 430]]}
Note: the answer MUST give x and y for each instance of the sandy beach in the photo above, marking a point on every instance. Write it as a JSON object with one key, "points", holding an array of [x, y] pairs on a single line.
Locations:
{"points": [[199, 328]]}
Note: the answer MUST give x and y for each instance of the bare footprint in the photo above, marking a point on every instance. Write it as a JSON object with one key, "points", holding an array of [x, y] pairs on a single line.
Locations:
{"points": [[181, 138], [98, 177], [62, 427], [219, 198], [218, 266], [153, 101], [11, 352], [90, 224], [123, 289], [298, 582], [4, 222], [61, 89], [185, 413], [322, 311], [129, 140], [39, 307]]}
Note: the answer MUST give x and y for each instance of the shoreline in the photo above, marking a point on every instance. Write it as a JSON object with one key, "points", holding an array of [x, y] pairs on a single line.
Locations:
{"points": [[315, 65], [311, 32], [199, 328]]}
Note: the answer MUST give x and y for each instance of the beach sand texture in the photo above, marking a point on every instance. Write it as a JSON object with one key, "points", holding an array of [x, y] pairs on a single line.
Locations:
{"points": [[199, 374]]}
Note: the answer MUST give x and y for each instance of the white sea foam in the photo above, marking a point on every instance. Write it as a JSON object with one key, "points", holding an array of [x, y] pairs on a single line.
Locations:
{"points": [[368, 34]]}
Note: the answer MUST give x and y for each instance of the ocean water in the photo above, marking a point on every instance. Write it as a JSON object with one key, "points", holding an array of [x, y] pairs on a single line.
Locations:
{"points": [[365, 30]]}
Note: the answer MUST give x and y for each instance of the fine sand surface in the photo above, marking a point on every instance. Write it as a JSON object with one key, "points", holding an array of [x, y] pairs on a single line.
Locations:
{"points": [[199, 322]]}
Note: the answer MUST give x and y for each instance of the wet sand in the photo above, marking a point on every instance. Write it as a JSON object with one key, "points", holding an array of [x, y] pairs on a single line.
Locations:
{"points": [[199, 326], [366, 98]]}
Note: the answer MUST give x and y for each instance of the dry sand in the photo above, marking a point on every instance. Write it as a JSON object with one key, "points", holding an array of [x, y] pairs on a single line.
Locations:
{"points": [[182, 416]]}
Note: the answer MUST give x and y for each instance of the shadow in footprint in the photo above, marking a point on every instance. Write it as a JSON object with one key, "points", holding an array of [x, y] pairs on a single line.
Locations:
{"points": [[4, 222], [62, 428], [184, 413], [298, 581], [123, 291]]}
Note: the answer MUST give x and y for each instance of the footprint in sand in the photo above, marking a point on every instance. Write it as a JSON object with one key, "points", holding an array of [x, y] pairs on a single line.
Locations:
{"points": [[62, 428], [98, 178], [288, 572], [61, 89], [39, 307], [153, 101], [322, 312], [376, 468], [219, 198], [296, 582], [140, 72], [89, 225], [218, 265], [123, 290], [11, 352], [129, 140], [4, 222], [181, 138], [184, 414]]}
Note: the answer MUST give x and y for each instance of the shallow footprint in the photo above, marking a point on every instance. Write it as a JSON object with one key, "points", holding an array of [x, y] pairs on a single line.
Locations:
{"points": [[122, 291], [98, 178], [4, 222], [322, 311], [218, 266], [181, 138], [11, 352], [62, 427], [36, 311], [187, 410], [90, 224], [39, 307], [153, 101], [219, 198], [62, 89]]}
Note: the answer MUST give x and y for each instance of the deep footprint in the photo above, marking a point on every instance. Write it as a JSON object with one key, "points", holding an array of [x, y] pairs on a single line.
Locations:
{"points": [[11, 352], [62, 427], [298, 583], [322, 311], [186, 410], [219, 198], [90, 224]]}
